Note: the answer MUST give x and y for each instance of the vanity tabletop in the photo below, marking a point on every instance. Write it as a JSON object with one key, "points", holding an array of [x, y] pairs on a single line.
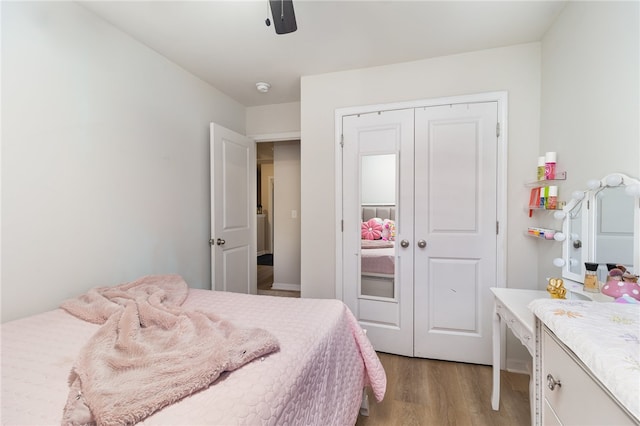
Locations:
{"points": [[517, 301], [605, 337]]}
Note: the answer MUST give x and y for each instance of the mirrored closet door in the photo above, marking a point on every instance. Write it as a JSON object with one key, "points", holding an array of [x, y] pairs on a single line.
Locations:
{"points": [[419, 238]]}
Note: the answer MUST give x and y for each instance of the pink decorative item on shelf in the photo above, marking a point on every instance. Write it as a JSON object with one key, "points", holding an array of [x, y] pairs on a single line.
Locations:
{"points": [[617, 289], [550, 165]]}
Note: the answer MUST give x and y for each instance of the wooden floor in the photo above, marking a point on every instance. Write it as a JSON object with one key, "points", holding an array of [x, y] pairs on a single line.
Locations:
{"points": [[430, 392], [265, 280]]}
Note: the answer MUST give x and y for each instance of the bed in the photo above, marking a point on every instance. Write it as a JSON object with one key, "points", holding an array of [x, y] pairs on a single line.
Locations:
{"points": [[316, 376], [377, 254]]}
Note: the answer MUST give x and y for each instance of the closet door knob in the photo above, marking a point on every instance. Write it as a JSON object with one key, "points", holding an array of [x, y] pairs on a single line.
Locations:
{"points": [[220, 242], [422, 243], [404, 243]]}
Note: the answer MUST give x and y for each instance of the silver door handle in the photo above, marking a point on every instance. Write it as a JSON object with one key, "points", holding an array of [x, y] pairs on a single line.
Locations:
{"points": [[422, 243], [404, 243], [220, 242]]}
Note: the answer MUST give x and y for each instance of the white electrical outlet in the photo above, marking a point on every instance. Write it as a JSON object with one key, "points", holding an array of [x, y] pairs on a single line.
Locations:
{"points": [[294, 214]]}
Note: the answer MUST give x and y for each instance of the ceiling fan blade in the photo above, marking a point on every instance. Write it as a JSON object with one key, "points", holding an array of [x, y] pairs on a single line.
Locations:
{"points": [[284, 18]]}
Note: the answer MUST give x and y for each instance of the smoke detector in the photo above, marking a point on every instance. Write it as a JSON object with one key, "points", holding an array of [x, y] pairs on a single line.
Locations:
{"points": [[263, 87]]}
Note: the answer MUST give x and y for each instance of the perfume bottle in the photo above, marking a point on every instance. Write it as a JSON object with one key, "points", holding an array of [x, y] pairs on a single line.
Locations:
{"points": [[552, 199], [541, 168], [591, 278], [550, 165]]}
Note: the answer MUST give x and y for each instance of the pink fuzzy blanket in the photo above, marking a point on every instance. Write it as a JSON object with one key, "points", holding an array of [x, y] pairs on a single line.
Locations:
{"points": [[150, 352]]}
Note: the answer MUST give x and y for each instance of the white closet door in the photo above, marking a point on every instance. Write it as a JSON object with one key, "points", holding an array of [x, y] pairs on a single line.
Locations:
{"points": [[455, 215], [382, 302]]}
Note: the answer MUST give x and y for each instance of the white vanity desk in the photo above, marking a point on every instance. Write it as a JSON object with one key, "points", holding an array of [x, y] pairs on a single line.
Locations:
{"points": [[586, 355], [583, 399]]}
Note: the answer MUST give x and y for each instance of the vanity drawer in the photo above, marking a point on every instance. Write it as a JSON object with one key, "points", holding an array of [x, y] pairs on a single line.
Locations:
{"points": [[579, 400], [518, 329], [550, 418]]}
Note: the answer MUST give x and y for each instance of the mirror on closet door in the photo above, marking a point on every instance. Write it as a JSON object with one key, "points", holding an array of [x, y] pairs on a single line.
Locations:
{"points": [[602, 225], [378, 182]]}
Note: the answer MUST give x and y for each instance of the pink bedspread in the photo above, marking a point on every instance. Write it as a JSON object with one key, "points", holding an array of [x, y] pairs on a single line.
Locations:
{"points": [[149, 348], [316, 378]]}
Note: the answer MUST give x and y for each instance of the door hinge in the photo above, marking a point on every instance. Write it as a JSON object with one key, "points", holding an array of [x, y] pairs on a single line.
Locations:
{"points": [[341, 141], [342, 226], [497, 130], [497, 228], [211, 242]]}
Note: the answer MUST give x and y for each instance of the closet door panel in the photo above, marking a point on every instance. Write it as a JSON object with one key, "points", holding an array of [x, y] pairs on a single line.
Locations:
{"points": [[452, 165], [459, 295], [455, 214], [377, 171]]}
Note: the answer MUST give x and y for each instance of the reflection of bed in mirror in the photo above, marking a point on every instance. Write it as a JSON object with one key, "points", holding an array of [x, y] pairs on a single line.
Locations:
{"points": [[378, 256]]}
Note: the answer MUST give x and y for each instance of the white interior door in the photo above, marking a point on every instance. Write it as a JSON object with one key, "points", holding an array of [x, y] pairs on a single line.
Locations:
{"points": [[233, 211], [381, 300], [455, 215]]}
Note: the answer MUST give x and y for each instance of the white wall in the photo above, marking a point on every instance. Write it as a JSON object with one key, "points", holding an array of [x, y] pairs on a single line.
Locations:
{"points": [[590, 108], [286, 259], [515, 69], [105, 158], [273, 119]]}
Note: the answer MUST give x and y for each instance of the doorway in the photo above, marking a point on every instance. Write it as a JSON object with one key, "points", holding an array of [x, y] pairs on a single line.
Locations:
{"points": [[278, 202]]}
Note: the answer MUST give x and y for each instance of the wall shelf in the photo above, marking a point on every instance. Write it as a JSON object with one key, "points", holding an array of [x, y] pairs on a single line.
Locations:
{"points": [[541, 208], [560, 176]]}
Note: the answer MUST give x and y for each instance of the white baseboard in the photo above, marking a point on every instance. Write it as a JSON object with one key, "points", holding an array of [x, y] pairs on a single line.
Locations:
{"points": [[518, 366], [288, 287]]}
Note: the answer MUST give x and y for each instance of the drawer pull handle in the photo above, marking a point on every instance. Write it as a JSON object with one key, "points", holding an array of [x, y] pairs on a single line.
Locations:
{"points": [[527, 337], [552, 383]]}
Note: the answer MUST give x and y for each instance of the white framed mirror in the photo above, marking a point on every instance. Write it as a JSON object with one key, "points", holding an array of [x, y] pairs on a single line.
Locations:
{"points": [[602, 225]]}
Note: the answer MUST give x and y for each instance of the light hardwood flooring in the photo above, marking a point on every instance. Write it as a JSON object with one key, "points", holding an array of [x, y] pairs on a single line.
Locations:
{"points": [[265, 280], [431, 392]]}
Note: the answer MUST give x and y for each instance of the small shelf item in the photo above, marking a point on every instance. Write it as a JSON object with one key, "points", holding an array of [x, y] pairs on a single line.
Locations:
{"points": [[556, 288], [542, 233], [544, 192], [544, 198]]}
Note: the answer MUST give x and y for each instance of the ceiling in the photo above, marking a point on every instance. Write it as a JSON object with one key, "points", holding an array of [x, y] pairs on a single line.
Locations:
{"points": [[227, 44]]}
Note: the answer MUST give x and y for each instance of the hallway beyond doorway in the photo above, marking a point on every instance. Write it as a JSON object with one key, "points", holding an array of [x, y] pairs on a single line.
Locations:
{"points": [[265, 280]]}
